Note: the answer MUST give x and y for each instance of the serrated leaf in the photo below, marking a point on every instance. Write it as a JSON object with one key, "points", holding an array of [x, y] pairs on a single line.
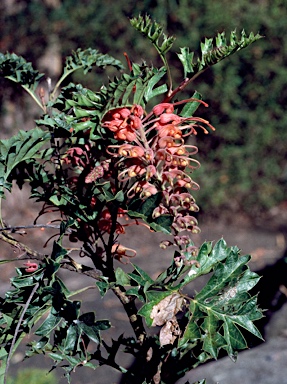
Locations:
{"points": [[213, 341], [154, 32], [186, 59], [213, 51], [191, 333], [207, 259], [17, 69], [22, 147], [88, 58], [234, 338], [224, 302], [143, 274], [224, 274]]}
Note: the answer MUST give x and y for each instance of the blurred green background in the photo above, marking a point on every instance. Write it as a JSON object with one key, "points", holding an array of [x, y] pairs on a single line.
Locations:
{"points": [[244, 162]]}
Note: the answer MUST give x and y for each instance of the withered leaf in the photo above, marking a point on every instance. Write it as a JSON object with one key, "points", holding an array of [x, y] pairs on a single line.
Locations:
{"points": [[166, 309], [157, 376], [149, 354], [169, 332]]}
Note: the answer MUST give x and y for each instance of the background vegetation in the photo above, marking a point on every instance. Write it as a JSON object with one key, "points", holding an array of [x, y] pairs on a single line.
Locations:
{"points": [[245, 166]]}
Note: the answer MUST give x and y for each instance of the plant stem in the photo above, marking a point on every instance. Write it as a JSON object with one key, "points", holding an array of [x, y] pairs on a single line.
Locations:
{"points": [[131, 310], [17, 330]]}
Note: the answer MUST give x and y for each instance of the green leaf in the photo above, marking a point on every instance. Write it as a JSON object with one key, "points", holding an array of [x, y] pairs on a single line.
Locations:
{"points": [[136, 292], [103, 287], [154, 32], [224, 302], [51, 322], [122, 278], [72, 337], [191, 333], [207, 259], [162, 224], [144, 211], [143, 274], [17, 69], [85, 60], [88, 58], [23, 147], [91, 331], [150, 91], [214, 50], [213, 341], [228, 273], [189, 108], [234, 338]]}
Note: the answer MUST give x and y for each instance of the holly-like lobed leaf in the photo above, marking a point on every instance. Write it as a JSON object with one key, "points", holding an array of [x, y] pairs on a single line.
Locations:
{"points": [[144, 209], [227, 306]]}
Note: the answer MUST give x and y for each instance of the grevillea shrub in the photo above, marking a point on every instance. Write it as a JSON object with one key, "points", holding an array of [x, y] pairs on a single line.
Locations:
{"points": [[95, 159]]}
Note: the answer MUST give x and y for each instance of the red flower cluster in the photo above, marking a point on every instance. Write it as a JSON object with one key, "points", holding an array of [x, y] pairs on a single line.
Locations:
{"points": [[154, 158], [151, 157], [124, 122]]}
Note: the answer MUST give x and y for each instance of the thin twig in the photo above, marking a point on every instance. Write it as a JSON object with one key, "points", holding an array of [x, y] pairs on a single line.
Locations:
{"points": [[29, 253], [17, 330], [15, 228]]}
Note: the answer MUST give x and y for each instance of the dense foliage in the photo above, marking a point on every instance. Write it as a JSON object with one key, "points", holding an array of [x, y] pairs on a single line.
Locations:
{"points": [[96, 158], [247, 158]]}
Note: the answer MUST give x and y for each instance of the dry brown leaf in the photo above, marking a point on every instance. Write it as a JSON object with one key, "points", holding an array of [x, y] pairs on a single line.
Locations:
{"points": [[149, 354], [157, 376], [166, 309], [169, 332]]}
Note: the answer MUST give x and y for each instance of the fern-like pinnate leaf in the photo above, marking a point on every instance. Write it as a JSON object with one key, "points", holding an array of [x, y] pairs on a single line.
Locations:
{"points": [[83, 109], [85, 59], [214, 50], [17, 69], [25, 146], [88, 58], [138, 87], [154, 32]]}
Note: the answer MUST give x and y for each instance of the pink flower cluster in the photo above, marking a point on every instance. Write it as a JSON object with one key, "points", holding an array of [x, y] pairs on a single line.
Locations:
{"points": [[150, 157], [154, 158], [124, 122]]}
